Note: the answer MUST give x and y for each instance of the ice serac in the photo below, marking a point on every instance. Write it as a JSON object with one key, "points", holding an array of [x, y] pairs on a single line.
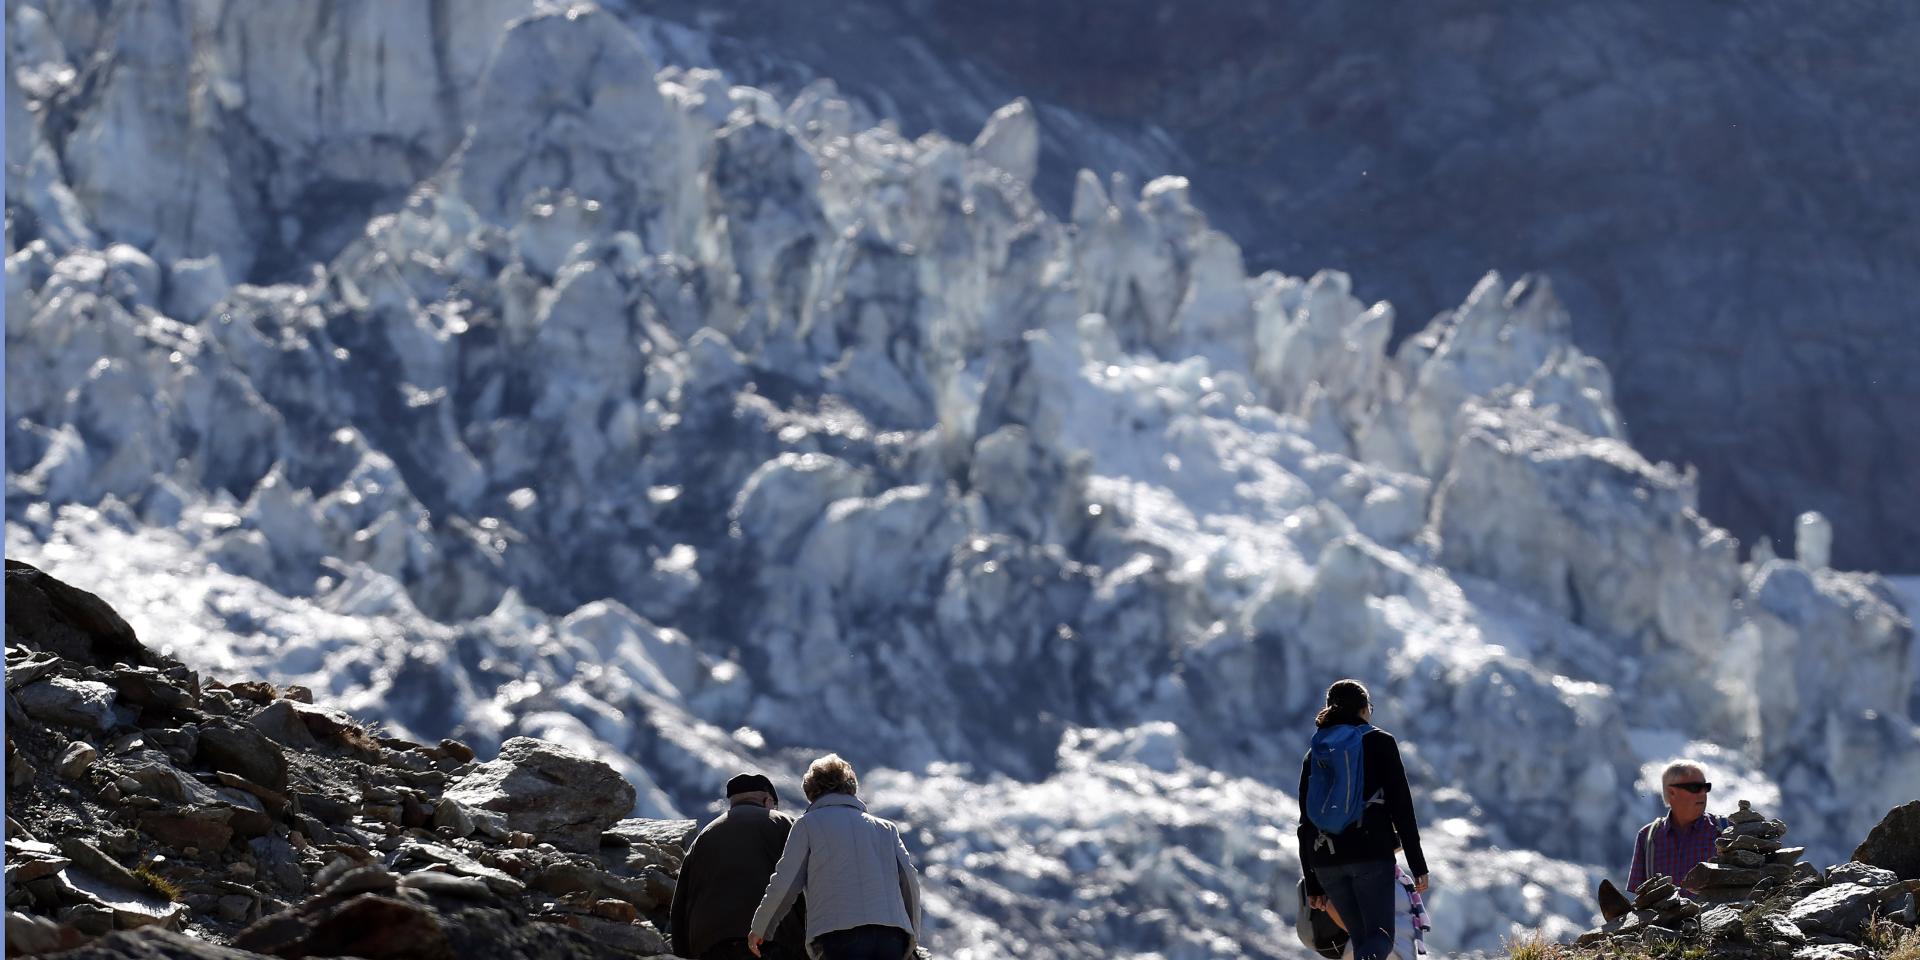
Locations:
{"points": [[698, 427], [1587, 527]]}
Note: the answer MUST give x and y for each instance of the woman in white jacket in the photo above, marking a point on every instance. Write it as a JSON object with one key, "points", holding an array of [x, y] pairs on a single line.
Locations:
{"points": [[863, 895]]}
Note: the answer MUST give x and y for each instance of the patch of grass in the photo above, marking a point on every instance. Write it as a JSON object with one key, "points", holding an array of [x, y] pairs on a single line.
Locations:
{"points": [[1535, 946], [1891, 940], [159, 884]]}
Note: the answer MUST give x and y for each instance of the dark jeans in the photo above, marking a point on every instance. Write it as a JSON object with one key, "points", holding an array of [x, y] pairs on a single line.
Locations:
{"points": [[737, 950], [1363, 893], [871, 942]]}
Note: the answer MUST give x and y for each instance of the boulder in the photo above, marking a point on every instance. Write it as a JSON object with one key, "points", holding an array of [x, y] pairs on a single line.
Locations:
{"points": [[1864, 874], [149, 690], [202, 827], [280, 723], [1833, 951], [548, 791], [47, 614], [79, 756], [1839, 910], [85, 704], [245, 752], [452, 818], [1894, 843], [147, 943], [368, 925]]}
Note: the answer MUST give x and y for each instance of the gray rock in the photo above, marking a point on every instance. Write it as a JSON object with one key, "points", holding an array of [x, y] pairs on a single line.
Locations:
{"points": [[1839, 910], [1778, 928], [1720, 923], [126, 907], [147, 688], [57, 617], [278, 721], [411, 857], [28, 935], [451, 817], [1709, 875], [180, 745], [1653, 892], [669, 834], [88, 857], [1894, 843], [1743, 842], [244, 752], [566, 877], [204, 828], [86, 704], [1763, 829], [78, 757], [448, 885], [234, 908], [548, 791], [150, 773], [1833, 951], [29, 860], [372, 878], [30, 668], [1864, 874]]}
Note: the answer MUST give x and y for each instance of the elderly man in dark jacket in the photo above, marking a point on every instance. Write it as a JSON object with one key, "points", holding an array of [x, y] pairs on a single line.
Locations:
{"points": [[725, 873]]}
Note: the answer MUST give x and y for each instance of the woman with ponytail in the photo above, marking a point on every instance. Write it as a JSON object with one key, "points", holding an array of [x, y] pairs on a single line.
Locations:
{"points": [[1355, 810]]}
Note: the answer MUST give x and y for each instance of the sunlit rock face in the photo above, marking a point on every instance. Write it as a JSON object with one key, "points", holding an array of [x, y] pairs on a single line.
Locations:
{"points": [[699, 428]]}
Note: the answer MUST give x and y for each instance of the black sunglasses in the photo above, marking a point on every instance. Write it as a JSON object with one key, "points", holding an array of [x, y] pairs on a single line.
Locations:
{"points": [[1693, 786]]}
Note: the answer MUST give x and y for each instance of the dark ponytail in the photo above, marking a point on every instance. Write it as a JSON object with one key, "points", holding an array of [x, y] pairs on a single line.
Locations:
{"points": [[1345, 700]]}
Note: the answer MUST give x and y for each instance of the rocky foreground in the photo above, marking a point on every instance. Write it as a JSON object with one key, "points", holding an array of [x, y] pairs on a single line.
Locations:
{"points": [[154, 813], [1757, 899]]}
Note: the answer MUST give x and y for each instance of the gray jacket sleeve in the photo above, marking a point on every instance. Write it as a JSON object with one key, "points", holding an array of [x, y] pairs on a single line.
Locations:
{"points": [[789, 878], [909, 883]]}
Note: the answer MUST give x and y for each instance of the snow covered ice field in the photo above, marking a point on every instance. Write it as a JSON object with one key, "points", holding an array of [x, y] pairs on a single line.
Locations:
{"points": [[701, 429]]}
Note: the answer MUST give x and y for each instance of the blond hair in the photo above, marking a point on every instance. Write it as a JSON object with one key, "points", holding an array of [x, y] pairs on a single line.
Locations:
{"points": [[829, 774]]}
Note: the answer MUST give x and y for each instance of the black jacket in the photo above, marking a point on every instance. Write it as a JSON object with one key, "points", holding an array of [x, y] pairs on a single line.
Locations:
{"points": [[723, 878], [1382, 827]]}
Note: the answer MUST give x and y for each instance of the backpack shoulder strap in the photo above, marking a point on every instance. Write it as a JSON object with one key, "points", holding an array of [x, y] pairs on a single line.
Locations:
{"points": [[1652, 829]]}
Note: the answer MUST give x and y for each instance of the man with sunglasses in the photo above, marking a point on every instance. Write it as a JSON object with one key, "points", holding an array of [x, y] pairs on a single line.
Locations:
{"points": [[1674, 844]]}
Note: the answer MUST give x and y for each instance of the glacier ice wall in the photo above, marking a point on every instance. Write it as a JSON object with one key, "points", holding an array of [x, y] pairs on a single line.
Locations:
{"points": [[700, 429]]}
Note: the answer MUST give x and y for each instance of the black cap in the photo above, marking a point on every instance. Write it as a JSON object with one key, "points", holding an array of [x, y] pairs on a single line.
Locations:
{"points": [[749, 782]]}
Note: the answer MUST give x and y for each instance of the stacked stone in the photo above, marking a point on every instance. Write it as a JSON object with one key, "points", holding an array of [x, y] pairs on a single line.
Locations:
{"points": [[1749, 852], [1659, 904]]}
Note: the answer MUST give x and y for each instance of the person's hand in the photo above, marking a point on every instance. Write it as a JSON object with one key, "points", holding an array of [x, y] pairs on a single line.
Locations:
{"points": [[1318, 902], [1420, 884], [754, 941]]}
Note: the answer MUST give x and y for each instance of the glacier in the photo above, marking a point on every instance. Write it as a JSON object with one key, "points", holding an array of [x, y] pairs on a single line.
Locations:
{"points": [[699, 428]]}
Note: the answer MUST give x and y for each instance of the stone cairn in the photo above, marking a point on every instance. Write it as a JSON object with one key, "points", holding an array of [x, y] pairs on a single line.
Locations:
{"points": [[1749, 854]]}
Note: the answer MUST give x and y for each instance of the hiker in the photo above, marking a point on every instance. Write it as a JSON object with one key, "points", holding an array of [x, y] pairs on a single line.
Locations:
{"points": [[1672, 845], [1355, 808], [726, 868], [863, 895]]}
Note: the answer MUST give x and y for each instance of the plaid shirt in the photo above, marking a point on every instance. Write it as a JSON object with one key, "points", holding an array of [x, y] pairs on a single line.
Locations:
{"points": [[1676, 850]]}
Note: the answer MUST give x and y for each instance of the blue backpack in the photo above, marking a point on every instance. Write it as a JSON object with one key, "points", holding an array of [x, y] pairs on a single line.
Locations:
{"points": [[1335, 797]]}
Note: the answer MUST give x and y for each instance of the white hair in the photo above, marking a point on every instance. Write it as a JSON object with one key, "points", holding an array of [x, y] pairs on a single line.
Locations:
{"points": [[1679, 767]]}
